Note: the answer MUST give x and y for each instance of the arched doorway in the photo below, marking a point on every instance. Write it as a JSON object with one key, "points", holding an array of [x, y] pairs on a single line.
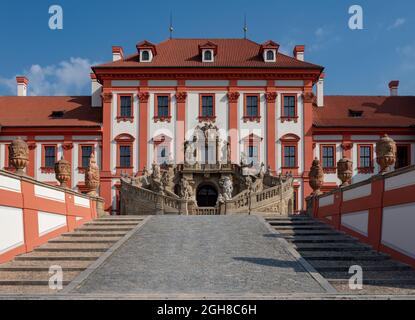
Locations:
{"points": [[207, 196]]}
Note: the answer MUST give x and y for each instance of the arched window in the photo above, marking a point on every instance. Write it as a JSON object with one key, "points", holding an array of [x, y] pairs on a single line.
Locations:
{"points": [[145, 55], [208, 55], [270, 55]]}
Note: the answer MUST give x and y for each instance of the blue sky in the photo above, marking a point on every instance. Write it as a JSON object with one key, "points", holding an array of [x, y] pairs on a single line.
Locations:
{"points": [[359, 62]]}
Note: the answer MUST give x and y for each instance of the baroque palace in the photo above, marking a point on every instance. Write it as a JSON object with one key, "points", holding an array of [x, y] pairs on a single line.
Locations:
{"points": [[213, 111]]}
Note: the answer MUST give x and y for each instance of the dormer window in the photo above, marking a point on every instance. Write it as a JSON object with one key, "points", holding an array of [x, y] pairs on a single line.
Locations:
{"points": [[355, 113], [145, 55], [270, 56], [269, 51], [207, 55], [146, 50], [208, 51]]}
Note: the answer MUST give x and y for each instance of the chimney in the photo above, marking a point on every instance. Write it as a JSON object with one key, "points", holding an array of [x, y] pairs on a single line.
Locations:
{"points": [[320, 91], [117, 53], [393, 86], [96, 90], [22, 83], [299, 52]]}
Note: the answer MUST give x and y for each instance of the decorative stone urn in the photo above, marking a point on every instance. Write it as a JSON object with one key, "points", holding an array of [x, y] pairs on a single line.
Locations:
{"points": [[385, 153], [345, 171], [63, 172], [19, 155], [92, 176], [316, 177]]}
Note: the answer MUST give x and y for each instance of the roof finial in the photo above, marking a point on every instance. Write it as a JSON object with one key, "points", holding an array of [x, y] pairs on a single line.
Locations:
{"points": [[245, 27], [171, 29]]}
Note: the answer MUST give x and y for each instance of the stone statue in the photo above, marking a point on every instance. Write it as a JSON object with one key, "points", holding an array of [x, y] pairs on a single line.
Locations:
{"points": [[316, 177], [19, 155], [345, 171], [186, 191], [189, 152], [248, 183], [227, 188], [63, 172], [221, 200], [385, 153], [165, 180], [156, 175], [243, 159], [92, 176], [262, 171], [228, 152]]}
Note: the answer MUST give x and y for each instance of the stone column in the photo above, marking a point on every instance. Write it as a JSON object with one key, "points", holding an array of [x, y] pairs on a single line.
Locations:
{"points": [[271, 98], [143, 129], [180, 126], [233, 98]]}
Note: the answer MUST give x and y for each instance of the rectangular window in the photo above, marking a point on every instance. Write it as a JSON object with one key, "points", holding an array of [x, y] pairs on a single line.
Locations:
{"points": [[328, 156], [50, 156], [403, 156], [289, 107], [253, 154], [365, 156], [290, 157], [162, 106], [162, 154], [252, 106], [125, 156], [207, 106], [125, 106], [86, 152]]}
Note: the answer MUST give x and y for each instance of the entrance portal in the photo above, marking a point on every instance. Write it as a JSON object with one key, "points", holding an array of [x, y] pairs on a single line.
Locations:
{"points": [[207, 196]]}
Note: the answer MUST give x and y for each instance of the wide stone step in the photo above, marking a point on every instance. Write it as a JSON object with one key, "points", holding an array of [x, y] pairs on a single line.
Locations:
{"points": [[18, 278], [295, 223], [11, 284], [18, 268], [121, 219], [344, 266], [309, 227], [85, 240], [110, 224], [54, 256], [45, 264], [396, 283], [331, 247], [307, 232], [343, 256], [74, 246], [335, 238], [108, 235], [70, 250], [105, 229], [372, 275]]}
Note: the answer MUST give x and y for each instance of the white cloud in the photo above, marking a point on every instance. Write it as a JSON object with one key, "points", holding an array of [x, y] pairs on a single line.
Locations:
{"points": [[398, 23], [67, 78]]}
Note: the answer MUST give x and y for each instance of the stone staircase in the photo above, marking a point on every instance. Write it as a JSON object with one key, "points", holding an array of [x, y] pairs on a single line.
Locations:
{"points": [[73, 252], [332, 253]]}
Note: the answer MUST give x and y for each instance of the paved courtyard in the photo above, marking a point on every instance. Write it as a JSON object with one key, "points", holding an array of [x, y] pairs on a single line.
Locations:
{"points": [[201, 255]]}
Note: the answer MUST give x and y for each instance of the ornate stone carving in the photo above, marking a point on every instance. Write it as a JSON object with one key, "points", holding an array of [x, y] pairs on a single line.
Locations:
{"points": [[233, 96], [67, 146], [181, 97], [19, 155], [316, 177], [106, 97], [92, 176], [63, 172], [227, 188], [271, 97], [143, 97], [308, 97], [345, 171], [186, 190], [385, 153], [346, 146]]}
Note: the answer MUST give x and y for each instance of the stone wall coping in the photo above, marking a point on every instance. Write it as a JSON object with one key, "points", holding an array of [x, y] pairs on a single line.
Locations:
{"points": [[369, 180], [43, 184]]}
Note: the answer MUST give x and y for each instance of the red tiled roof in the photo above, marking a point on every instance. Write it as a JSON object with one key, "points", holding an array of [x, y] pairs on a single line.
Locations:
{"points": [[33, 111], [378, 111], [231, 53]]}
